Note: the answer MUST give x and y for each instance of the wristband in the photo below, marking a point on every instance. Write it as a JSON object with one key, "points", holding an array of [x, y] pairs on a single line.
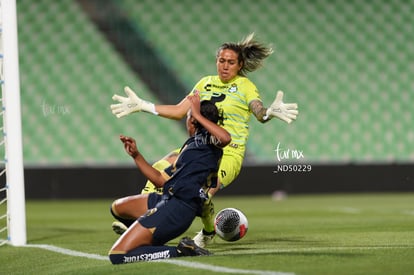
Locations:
{"points": [[149, 107]]}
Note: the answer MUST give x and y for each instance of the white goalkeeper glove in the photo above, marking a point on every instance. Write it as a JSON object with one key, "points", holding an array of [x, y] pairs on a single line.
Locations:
{"points": [[284, 111], [131, 104]]}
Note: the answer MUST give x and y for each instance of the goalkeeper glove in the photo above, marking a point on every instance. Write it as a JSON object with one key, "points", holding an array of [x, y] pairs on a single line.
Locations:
{"points": [[284, 111], [131, 104]]}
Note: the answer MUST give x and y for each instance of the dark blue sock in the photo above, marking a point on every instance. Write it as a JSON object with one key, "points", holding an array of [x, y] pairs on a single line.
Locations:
{"points": [[145, 253]]}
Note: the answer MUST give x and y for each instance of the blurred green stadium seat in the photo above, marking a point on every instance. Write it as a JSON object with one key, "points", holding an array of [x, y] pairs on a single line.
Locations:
{"points": [[347, 63], [68, 75]]}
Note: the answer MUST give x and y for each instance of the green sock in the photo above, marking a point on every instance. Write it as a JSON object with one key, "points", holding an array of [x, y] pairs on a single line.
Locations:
{"points": [[207, 217]]}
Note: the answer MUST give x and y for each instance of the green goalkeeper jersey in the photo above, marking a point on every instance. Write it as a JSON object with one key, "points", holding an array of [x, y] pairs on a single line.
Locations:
{"points": [[233, 98]]}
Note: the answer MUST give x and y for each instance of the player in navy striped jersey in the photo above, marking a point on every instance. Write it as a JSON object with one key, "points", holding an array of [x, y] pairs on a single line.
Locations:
{"points": [[166, 216]]}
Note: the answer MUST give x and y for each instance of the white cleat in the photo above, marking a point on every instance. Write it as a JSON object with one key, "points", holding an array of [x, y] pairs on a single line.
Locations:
{"points": [[202, 239]]}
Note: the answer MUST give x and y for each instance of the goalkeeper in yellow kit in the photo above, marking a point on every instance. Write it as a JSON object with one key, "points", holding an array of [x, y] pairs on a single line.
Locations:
{"points": [[236, 96]]}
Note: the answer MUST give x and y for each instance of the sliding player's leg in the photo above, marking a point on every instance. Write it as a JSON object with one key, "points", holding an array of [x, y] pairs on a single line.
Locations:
{"points": [[127, 210], [144, 240]]}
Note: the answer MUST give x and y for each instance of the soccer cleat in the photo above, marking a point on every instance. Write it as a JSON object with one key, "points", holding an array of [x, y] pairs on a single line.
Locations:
{"points": [[119, 228], [202, 239], [187, 247]]}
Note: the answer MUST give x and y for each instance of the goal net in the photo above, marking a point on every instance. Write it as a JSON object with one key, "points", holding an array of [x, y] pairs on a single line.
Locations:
{"points": [[12, 198]]}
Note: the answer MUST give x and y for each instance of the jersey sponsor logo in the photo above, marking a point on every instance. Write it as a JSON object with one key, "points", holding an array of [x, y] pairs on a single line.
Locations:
{"points": [[208, 87], [232, 89], [148, 256]]}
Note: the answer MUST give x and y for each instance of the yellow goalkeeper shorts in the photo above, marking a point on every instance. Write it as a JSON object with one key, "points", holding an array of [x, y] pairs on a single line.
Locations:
{"points": [[230, 165]]}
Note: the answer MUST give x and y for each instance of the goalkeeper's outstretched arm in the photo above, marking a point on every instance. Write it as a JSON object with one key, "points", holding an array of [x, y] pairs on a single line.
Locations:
{"points": [[127, 105], [133, 103], [177, 111]]}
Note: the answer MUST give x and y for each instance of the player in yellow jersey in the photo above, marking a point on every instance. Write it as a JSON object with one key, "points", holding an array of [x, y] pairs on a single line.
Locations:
{"points": [[236, 96]]}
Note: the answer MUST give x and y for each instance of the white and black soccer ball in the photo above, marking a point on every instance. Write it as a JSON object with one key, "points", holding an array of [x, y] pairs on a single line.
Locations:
{"points": [[230, 224]]}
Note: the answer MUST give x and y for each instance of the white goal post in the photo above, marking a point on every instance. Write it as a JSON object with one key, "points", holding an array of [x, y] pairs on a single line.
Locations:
{"points": [[10, 87]]}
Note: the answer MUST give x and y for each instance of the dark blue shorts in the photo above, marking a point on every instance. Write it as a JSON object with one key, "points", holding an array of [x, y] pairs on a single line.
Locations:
{"points": [[170, 217]]}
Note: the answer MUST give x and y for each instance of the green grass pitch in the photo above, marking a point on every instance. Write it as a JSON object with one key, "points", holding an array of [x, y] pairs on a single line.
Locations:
{"points": [[302, 234]]}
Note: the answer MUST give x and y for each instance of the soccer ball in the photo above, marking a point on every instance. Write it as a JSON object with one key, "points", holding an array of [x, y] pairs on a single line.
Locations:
{"points": [[230, 224]]}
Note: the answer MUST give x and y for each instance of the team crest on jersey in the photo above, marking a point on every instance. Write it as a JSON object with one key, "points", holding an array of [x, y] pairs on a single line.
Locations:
{"points": [[233, 88]]}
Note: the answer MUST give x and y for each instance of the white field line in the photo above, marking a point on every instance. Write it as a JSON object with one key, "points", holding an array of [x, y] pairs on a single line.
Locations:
{"points": [[221, 269], [68, 251], [311, 249], [174, 262]]}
